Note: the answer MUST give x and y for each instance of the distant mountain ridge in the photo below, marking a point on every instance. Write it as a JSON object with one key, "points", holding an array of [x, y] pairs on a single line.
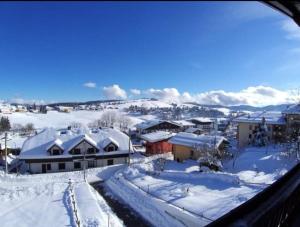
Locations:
{"points": [[232, 108], [276, 108]]}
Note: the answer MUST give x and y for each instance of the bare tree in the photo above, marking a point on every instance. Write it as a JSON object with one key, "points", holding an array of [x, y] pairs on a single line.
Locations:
{"points": [[27, 129], [124, 122], [75, 124], [17, 127]]}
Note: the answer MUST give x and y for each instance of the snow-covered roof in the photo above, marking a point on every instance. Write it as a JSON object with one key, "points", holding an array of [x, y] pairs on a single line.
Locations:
{"points": [[256, 117], [192, 140], [157, 136], [202, 119], [56, 142], [184, 123], [108, 141], [192, 130], [151, 123], [37, 146], [293, 109], [78, 139]]}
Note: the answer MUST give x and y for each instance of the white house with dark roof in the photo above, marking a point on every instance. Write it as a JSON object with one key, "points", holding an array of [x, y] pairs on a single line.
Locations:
{"points": [[53, 150]]}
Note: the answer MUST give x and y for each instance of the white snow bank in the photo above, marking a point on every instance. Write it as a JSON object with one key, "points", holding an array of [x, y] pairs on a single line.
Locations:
{"points": [[89, 211]]}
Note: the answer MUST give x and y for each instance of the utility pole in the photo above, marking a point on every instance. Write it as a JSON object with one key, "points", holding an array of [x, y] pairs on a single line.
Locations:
{"points": [[129, 147], [5, 145], [84, 176]]}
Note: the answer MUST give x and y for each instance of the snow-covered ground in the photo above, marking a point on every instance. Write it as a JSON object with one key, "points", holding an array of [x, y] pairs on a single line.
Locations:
{"points": [[195, 198], [141, 103], [53, 118], [60, 119], [44, 199]]}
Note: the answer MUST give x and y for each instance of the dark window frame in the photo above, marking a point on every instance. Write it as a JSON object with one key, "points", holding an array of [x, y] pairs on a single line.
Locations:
{"points": [[55, 151], [60, 164], [76, 151], [110, 162], [91, 150], [77, 165]]}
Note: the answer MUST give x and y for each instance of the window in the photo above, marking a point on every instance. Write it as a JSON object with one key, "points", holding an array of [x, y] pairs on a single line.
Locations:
{"points": [[61, 166], [91, 164], [76, 151], [110, 162], [55, 152], [91, 150], [111, 147], [77, 165], [192, 154], [49, 166]]}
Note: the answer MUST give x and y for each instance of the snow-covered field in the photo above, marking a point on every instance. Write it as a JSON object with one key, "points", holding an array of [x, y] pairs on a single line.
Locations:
{"points": [[195, 198], [59, 119], [141, 103], [44, 200], [53, 118]]}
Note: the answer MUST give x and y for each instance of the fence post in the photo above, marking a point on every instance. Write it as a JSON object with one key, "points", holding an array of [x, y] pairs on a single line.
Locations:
{"points": [[108, 219]]}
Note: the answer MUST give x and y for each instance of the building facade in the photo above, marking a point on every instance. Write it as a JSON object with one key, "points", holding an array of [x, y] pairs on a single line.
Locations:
{"points": [[157, 142], [55, 151], [249, 126], [191, 146]]}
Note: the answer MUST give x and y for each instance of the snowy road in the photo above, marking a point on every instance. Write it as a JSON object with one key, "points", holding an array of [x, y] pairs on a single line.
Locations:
{"points": [[44, 200]]}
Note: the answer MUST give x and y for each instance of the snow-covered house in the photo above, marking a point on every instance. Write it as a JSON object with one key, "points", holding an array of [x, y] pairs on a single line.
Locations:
{"points": [[196, 131], [292, 116], [191, 146], [249, 124], [204, 123], [53, 151], [21, 108], [65, 109], [157, 125], [185, 124], [6, 108], [157, 142]]}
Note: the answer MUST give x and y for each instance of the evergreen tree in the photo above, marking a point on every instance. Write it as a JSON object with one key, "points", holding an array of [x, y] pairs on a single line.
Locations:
{"points": [[4, 124]]}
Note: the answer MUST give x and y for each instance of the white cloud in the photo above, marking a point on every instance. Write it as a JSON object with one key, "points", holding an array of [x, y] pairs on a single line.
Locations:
{"points": [[255, 96], [135, 91], [292, 29], [166, 94], [114, 92], [90, 85]]}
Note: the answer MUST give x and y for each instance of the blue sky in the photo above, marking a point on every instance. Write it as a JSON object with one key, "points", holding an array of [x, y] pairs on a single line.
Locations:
{"points": [[50, 50]]}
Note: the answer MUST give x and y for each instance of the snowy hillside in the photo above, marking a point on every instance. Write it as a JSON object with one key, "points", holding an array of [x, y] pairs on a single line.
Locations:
{"points": [[146, 103]]}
